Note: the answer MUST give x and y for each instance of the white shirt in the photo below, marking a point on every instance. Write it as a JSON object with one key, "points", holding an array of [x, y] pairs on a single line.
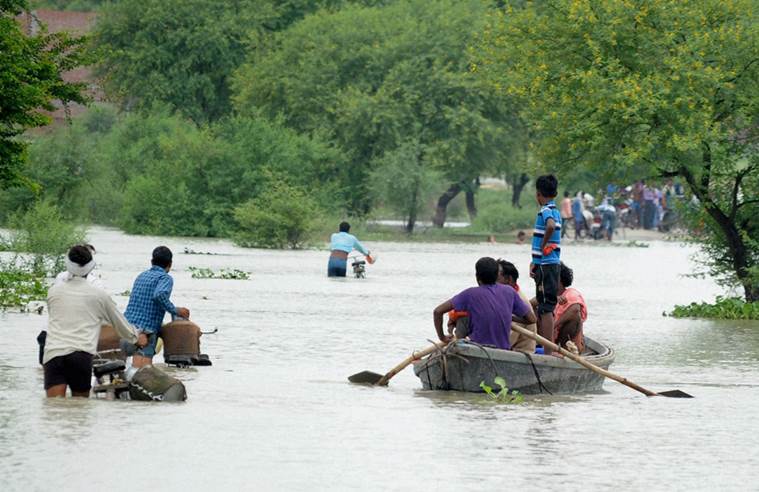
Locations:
{"points": [[77, 311]]}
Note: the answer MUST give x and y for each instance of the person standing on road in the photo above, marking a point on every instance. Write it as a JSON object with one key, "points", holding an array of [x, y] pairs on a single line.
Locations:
{"points": [[566, 212]]}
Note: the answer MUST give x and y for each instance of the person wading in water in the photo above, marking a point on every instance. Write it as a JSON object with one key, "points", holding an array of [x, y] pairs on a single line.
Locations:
{"points": [[341, 245], [150, 301], [77, 311]]}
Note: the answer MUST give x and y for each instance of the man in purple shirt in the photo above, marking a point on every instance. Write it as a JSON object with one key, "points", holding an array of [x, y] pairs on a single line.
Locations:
{"points": [[490, 307]]}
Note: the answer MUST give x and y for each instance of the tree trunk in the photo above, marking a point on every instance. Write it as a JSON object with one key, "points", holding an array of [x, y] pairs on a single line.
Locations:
{"points": [[413, 210], [442, 204], [736, 246], [517, 185], [471, 206]]}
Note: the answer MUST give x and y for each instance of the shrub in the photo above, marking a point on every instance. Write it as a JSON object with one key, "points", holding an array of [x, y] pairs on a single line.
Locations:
{"points": [[282, 216], [502, 217], [43, 232]]}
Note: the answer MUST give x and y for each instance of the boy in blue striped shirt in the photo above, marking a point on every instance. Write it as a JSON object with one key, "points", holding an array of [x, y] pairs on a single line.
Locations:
{"points": [[544, 268]]}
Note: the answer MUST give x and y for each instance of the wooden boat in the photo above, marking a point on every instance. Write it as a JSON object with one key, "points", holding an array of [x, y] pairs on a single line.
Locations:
{"points": [[463, 365]]}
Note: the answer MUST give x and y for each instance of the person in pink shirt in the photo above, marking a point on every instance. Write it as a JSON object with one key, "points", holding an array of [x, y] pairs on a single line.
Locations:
{"points": [[571, 312]]}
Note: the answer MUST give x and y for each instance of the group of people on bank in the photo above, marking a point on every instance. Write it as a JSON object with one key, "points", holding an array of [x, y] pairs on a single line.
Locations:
{"points": [[79, 306], [484, 313]]}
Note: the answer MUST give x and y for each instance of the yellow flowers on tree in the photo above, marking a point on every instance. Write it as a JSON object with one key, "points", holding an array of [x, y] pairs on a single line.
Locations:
{"points": [[655, 88]]}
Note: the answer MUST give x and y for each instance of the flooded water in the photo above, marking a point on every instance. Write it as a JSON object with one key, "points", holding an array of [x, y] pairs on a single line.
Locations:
{"points": [[275, 412]]}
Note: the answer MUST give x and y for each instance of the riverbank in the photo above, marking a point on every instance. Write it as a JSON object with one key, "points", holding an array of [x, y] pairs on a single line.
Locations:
{"points": [[461, 232]]}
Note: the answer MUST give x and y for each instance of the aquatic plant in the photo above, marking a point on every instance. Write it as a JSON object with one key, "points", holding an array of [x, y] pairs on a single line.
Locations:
{"points": [[722, 308], [190, 251], [19, 285], [224, 273], [503, 395]]}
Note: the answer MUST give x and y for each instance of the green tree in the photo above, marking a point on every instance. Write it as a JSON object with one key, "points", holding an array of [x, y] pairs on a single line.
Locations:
{"points": [[658, 87], [372, 78], [30, 80], [402, 180], [178, 53]]}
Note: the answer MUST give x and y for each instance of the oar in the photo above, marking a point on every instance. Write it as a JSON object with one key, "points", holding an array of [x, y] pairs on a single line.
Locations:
{"points": [[598, 370], [369, 377]]}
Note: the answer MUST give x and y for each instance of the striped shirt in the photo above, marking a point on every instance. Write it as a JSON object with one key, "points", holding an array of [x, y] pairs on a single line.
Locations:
{"points": [[548, 211]]}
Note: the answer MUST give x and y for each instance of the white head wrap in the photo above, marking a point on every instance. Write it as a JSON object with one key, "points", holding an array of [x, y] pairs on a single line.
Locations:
{"points": [[77, 270]]}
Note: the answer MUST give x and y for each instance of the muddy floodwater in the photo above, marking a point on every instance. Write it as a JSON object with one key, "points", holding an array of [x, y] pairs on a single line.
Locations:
{"points": [[275, 412]]}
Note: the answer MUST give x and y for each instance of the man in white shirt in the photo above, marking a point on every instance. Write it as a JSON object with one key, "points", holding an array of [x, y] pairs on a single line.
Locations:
{"points": [[65, 275], [77, 311]]}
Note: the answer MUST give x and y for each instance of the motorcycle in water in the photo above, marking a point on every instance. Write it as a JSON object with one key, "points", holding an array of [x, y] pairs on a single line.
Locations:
{"points": [[359, 266], [149, 383]]}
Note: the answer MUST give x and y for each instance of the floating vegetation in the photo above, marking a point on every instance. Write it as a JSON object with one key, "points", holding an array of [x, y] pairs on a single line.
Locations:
{"points": [[224, 273], [503, 395], [189, 251], [20, 285], [630, 244], [722, 308]]}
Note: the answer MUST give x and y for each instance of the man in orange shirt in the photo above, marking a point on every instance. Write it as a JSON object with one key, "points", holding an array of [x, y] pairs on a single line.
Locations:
{"points": [[571, 312]]}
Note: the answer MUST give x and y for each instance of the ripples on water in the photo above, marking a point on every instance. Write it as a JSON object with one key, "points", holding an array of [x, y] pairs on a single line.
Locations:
{"points": [[275, 411]]}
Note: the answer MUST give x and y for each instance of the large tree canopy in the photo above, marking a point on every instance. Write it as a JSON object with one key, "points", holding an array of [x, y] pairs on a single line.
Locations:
{"points": [[664, 87], [178, 53], [30, 80], [374, 79]]}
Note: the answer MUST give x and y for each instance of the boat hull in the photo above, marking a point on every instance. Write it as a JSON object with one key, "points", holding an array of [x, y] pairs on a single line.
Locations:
{"points": [[465, 365]]}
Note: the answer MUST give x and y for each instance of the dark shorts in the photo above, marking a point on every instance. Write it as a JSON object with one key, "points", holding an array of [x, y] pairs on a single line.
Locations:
{"points": [[73, 370], [546, 287], [337, 267]]}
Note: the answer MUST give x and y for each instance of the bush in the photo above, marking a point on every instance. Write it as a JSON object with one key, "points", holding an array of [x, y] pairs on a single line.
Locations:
{"points": [[500, 216], [282, 216], [43, 232], [723, 308]]}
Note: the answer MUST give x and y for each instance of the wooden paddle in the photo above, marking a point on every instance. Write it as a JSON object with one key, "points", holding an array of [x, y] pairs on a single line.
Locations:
{"points": [[369, 377], [598, 370]]}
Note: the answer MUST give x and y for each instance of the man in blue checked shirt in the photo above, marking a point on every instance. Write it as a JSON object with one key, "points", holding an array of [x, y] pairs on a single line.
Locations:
{"points": [[546, 238], [149, 302]]}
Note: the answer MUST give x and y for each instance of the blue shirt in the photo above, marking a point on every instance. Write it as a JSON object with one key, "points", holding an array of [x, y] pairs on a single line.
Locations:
{"points": [[548, 211], [342, 241], [149, 301], [577, 209]]}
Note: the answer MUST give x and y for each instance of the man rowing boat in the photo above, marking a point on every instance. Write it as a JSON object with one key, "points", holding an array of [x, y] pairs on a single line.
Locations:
{"points": [[490, 307]]}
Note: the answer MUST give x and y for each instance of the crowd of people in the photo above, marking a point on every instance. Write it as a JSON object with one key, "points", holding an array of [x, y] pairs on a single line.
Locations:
{"points": [[639, 205], [79, 306], [484, 314]]}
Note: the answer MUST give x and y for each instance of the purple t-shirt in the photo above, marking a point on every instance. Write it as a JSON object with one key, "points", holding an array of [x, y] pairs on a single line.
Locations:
{"points": [[490, 308]]}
